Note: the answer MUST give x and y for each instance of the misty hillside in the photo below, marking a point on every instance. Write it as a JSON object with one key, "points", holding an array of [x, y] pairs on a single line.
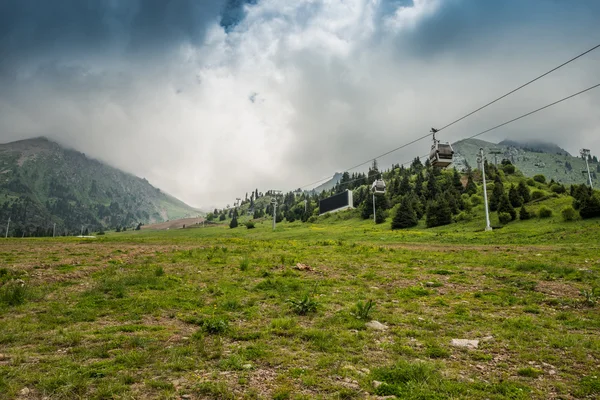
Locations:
{"points": [[42, 183], [530, 157]]}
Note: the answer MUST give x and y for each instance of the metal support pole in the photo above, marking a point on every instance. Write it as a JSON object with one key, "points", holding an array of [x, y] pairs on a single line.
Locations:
{"points": [[485, 199], [54, 230], [589, 175], [274, 214], [374, 214], [7, 226]]}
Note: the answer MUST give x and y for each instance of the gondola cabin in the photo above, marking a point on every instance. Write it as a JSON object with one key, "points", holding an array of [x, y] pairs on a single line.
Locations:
{"points": [[441, 154], [378, 187]]}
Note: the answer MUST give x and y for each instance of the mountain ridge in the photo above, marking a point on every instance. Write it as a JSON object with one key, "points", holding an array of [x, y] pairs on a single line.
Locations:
{"points": [[43, 182]]}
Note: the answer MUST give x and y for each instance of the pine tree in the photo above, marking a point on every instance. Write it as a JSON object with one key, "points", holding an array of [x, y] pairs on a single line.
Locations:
{"points": [[523, 191], [438, 213], [419, 184], [404, 186], [405, 215], [471, 186], [504, 206], [524, 214], [433, 188], [496, 195], [234, 219], [513, 196], [456, 182]]}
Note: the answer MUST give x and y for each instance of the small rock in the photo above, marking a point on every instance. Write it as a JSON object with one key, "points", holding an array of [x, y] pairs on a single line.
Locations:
{"points": [[374, 288], [430, 284], [471, 344], [186, 396], [396, 301], [487, 339], [3, 357], [365, 370], [185, 338], [247, 366], [376, 384], [421, 319], [376, 325], [552, 372], [25, 391]]}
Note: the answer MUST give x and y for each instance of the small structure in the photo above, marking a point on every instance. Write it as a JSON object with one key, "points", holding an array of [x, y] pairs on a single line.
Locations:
{"points": [[441, 154], [337, 202]]}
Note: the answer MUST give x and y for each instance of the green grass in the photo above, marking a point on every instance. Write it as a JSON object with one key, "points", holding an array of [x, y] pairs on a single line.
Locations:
{"points": [[205, 312]]}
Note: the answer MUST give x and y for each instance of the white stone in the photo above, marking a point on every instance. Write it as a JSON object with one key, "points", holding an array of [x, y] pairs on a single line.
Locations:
{"points": [[376, 325], [471, 344], [376, 384]]}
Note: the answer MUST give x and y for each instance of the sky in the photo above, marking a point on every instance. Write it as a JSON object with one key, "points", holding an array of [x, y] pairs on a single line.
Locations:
{"points": [[211, 99]]}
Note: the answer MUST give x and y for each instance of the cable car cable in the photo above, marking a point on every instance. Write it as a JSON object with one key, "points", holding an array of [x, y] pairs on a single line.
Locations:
{"points": [[503, 124], [463, 117]]}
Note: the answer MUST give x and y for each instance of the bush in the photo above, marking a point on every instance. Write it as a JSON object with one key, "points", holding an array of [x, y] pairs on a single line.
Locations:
{"points": [[524, 214], [545, 212], [303, 306], [504, 218], [556, 188], [568, 213], [464, 216], [215, 325], [537, 194], [530, 182], [509, 169], [13, 292], [312, 219], [100, 233], [250, 225], [476, 200], [539, 178]]}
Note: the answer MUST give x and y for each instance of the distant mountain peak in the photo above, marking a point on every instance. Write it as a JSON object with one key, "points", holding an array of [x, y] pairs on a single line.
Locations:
{"points": [[535, 145]]}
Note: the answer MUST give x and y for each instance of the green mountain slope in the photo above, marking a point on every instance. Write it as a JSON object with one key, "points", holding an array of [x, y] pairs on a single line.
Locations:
{"points": [[42, 183], [530, 157]]}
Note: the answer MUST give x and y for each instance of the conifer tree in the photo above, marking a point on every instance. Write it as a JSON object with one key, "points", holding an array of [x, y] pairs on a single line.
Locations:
{"points": [[234, 219], [471, 187], [513, 196], [523, 192], [438, 213], [523, 213], [504, 206], [405, 215]]}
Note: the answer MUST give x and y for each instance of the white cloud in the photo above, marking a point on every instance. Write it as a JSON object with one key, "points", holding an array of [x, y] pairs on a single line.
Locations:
{"points": [[329, 88]]}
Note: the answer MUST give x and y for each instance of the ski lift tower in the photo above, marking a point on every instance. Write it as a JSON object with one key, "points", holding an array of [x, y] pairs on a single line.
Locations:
{"points": [[378, 188], [480, 160], [495, 152], [274, 194], [585, 153]]}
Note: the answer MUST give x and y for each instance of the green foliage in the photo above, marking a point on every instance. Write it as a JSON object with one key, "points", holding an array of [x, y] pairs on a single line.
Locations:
{"points": [[405, 217], [505, 207], [14, 292], [544, 212], [513, 195], [476, 200], [438, 213], [509, 169], [250, 225], [590, 296], [159, 271], [530, 182], [215, 325], [524, 214], [523, 192], [304, 305], [568, 213], [537, 194], [529, 372], [362, 310], [559, 189], [539, 178], [504, 217], [244, 264]]}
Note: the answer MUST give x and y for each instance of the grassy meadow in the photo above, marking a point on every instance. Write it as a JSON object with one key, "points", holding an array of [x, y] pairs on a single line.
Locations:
{"points": [[219, 313]]}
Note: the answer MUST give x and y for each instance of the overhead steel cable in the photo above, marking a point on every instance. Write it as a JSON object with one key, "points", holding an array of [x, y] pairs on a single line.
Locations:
{"points": [[505, 123], [463, 117]]}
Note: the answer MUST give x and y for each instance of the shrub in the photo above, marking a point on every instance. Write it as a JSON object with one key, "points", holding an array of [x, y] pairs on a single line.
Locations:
{"points": [[545, 212], [13, 292], [568, 213], [476, 200], [159, 271], [312, 219], [464, 216], [100, 233], [250, 225], [215, 325], [504, 218], [556, 188], [530, 182], [537, 194], [244, 264], [524, 214], [303, 306], [539, 178], [362, 310], [509, 169]]}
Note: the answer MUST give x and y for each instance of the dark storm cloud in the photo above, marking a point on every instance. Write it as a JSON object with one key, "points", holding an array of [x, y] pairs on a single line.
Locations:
{"points": [[31, 29]]}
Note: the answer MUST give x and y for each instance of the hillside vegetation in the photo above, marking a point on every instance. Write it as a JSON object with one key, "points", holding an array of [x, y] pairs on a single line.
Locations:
{"points": [[42, 183]]}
